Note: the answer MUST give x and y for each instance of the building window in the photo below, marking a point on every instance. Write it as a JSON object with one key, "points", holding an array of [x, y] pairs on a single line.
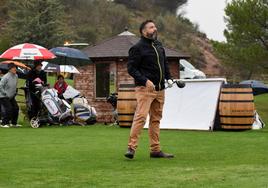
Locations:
{"points": [[105, 80]]}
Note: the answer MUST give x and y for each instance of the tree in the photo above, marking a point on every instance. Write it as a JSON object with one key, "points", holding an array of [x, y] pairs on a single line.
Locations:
{"points": [[4, 38], [3, 10], [95, 20], [247, 36], [170, 5], [41, 22]]}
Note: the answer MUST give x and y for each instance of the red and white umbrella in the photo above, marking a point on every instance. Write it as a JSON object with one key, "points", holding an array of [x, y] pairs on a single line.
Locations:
{"points": [[27, 51]]}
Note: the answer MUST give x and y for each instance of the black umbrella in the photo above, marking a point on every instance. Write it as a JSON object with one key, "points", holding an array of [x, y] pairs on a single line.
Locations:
{"points": [[69, 56], [258, 87]]}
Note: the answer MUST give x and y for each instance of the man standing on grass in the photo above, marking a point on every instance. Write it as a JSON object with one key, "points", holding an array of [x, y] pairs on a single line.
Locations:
{"points": [[8, 91], [148, 66]]}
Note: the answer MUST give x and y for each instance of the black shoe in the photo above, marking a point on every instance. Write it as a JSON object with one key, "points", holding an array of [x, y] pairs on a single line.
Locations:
{"points": [[130, 153], [160, 154]]}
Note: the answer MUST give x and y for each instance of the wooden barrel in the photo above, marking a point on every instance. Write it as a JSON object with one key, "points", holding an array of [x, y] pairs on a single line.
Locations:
{"points": [[236, 107], [126, 104]]}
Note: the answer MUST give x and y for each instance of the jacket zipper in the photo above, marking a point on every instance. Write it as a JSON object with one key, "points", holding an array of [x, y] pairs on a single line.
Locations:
{"points": [[158, 61]]}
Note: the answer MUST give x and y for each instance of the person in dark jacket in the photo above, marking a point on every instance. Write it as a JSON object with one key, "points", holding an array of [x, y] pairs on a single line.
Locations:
{"points": [[36, 72], [1, 75], [147, 64], [8, 91]]}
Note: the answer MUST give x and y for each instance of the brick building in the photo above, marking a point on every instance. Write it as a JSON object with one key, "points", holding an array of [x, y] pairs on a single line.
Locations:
{"points": [[109, 70]]}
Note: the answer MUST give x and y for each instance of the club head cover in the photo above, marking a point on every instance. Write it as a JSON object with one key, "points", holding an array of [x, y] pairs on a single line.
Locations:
{"points": [[180, 84]]}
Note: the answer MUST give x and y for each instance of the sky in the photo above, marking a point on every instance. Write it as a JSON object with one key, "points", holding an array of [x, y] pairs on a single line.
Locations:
{"points": [[208, 14]]}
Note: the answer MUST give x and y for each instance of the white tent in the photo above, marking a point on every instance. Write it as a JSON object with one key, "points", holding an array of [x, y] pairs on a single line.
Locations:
{"points": [[192, 107]]}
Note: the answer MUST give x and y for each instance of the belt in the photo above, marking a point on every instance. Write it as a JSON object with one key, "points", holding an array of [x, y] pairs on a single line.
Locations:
{"points": [[155, 87]]}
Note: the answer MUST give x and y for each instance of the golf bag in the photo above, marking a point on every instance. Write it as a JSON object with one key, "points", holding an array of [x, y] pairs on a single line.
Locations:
{"points": [[53, 110], [57, 108], [83, 112]]}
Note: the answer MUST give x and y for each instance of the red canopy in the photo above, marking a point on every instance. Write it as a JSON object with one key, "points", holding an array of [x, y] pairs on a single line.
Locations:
{"points": [[27, 51]]}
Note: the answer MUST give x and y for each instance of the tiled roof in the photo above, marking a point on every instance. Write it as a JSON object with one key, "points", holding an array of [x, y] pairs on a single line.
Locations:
{"points": [[119, 45]]}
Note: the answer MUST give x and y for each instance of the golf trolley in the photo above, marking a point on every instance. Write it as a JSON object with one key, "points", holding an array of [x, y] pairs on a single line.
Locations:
{"points": [[53, 110]]}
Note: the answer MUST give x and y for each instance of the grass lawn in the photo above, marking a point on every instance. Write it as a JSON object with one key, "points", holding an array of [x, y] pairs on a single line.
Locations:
{"points": [[93, 157]]}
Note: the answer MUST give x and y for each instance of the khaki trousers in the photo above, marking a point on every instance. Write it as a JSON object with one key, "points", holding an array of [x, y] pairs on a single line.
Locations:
{"points": [[148, 102]]}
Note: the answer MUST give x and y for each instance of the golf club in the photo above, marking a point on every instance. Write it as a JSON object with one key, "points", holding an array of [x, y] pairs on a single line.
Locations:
{"points": [[179, 83]]}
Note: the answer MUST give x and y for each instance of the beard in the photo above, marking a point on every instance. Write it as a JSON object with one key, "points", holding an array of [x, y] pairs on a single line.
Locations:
{"points": [[152, 36]]}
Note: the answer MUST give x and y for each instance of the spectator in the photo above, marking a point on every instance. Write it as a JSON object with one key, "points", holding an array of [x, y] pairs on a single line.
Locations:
{"points": [[8, 91], [60, 86], [36, 72], [1, 75]]}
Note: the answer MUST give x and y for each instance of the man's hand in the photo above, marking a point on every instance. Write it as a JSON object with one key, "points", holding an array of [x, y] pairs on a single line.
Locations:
{"points": [[170, 83], [150, 85]]}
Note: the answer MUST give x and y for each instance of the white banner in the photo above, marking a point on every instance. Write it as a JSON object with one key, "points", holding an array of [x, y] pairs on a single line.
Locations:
{"points": [[192, 107]]}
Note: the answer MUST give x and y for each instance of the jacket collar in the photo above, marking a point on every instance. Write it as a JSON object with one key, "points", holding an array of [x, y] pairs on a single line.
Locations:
{"points": [[147, 40], [11, 74]]}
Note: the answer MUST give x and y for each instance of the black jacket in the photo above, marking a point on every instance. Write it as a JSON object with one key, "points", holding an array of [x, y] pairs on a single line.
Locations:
{"points": [[147, 60], [33, 74]]}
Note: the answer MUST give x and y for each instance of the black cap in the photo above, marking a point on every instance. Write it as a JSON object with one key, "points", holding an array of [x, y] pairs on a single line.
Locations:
{"points": [[11, 65], [37, 62]]}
